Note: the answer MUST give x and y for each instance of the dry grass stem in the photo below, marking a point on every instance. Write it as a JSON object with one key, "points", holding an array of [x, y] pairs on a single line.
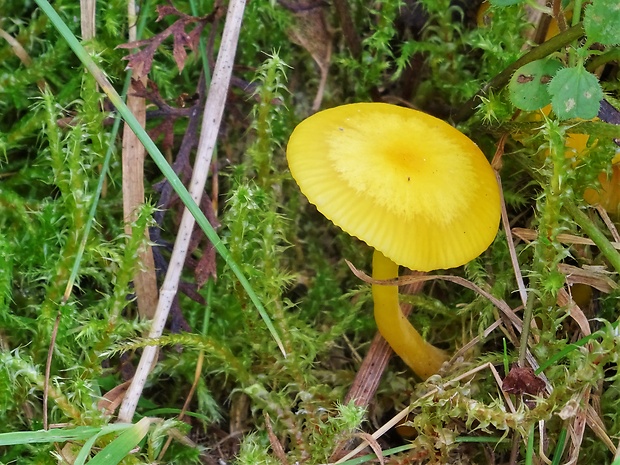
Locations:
{"points": [[374, 445], [133, 155], [610, 224], [578, 427], [276, 445], [598, 427], [463, 350], [48, 367], [590, 276], [212, 117], [565, 300], [188, 400], [541, 443], [21, 53], [497, 164], [531, 235]]}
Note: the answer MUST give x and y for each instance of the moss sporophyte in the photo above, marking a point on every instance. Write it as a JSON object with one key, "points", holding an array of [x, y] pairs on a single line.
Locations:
{"points": [[411, 186]]}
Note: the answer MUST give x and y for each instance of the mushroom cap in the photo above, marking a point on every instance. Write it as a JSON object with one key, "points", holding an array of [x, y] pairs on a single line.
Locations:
{"points": [[404, 182]]}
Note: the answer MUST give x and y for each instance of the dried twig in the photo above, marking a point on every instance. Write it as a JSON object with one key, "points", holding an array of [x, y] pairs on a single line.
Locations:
{"points": [[276, 445], [593, 276], [610, 224], [565, 300], [475, 341], [530, 235], [352, 39], [374, 445], [312, 33], [21, 53], [87, 19], [497, 162], [578, 427], [212, 117], [144, 279], [190, 396], [598, 427]]}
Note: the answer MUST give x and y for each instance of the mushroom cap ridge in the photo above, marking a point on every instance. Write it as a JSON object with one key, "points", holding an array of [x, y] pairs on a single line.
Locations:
{"points": [[404, 182]]}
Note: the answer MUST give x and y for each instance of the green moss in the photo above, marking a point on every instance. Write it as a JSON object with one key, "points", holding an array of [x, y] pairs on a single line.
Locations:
{"points": [[53, 143]]}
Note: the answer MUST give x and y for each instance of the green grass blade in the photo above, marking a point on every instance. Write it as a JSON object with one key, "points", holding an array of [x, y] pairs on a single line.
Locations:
{"points": [[56, 435], [80, 459], [559, 448], [481, 439], [118, 449], [159, 160], [529, 450], [373, 457]]}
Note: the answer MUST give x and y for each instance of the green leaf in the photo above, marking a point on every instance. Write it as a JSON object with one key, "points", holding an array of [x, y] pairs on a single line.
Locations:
{"points": [[57, 435], [602, 22], [575, 93], [118, 449], [501, 3], [528, 85], [82, 456]]}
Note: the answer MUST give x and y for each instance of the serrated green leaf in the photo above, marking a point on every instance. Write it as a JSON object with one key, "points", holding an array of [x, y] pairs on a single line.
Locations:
{"points": [[528, 85], [575, 93], [602, 22]]}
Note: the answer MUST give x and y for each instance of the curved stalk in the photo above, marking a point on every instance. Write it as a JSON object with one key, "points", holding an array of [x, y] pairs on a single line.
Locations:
{"points": [[423, 358]]}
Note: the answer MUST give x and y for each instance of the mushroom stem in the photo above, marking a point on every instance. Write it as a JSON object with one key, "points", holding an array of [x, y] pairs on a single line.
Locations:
{"points": [[423, 358]]}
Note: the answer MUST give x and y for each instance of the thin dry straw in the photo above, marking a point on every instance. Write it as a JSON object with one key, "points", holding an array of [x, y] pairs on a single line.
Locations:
{"points": [[214, 109]]}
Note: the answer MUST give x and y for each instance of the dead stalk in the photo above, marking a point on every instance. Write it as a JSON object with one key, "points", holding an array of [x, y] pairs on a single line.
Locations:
{"points": [[212, 117]]}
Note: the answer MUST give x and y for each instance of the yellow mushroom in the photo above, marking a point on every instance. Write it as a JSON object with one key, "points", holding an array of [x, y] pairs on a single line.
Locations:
{"points": [[608, 194], [408, 184]]}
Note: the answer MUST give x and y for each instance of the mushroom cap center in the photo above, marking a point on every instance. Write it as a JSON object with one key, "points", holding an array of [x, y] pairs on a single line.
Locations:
{"points": [[377, 159]]}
